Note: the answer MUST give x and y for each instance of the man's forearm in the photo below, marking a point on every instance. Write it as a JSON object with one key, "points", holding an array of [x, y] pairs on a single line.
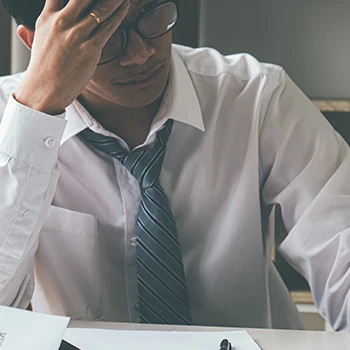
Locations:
{"points": [[28, 177]]}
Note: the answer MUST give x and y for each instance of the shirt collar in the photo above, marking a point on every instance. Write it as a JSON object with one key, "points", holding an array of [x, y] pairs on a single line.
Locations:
{"points": [[180, 104], [183, 104]]}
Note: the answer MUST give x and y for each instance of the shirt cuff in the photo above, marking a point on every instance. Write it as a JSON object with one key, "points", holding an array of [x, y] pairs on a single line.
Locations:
{"points": [[31, 136]]}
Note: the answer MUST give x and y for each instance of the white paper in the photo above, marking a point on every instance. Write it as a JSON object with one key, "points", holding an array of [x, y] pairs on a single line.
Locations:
{"points": [[94, 339], [26, 330]]}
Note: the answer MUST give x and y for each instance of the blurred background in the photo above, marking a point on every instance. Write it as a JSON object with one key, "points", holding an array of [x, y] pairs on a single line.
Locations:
{"points": [[309, 39]]}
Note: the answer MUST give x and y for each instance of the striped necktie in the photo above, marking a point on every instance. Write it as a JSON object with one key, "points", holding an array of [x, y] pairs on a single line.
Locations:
{"points": [[163, 296]]}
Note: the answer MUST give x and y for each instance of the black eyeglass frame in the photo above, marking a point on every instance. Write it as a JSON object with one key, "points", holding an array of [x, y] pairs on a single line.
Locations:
{"points": [[135, 26]]}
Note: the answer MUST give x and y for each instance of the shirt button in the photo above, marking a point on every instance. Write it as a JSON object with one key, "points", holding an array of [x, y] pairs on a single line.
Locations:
{"points": [[27, 215], [133, 241], [137, 307], [50, 142]]}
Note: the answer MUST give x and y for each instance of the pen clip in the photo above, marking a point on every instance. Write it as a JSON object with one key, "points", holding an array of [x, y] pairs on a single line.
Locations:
{"points": [[225, 345]]}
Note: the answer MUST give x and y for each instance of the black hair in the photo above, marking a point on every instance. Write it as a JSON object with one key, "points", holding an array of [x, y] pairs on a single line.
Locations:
{"points": [[24, 12]]}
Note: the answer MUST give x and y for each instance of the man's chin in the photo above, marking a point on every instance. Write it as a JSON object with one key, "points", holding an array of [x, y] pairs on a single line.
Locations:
{"points": [[138, 100], [134, 97]]}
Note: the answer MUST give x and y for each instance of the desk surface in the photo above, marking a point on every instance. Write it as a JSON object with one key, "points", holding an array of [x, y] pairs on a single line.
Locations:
{"points": [[267, 339]]}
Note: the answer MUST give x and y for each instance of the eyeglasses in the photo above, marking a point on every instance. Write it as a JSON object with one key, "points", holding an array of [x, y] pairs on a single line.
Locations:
{"points": [[150, 25]]}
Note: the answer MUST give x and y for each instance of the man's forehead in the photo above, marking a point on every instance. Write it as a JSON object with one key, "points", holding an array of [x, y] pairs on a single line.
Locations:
{"points": [[136, 3]]}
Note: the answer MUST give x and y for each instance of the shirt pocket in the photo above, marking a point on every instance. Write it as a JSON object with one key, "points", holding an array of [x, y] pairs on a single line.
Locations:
{"points": [[67, 265]]}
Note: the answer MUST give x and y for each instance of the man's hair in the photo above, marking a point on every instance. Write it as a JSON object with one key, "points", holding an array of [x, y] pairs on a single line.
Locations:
{"points": [[24, 12]]}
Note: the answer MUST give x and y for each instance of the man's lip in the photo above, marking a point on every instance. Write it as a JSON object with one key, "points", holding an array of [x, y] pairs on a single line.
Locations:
{"points": [[140, 79]]}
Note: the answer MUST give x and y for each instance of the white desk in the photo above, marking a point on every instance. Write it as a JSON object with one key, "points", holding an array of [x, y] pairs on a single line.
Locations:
{"points": [[266, 339]]}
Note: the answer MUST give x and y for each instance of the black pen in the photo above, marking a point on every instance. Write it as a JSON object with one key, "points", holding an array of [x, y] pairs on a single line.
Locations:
{"points": [[225, 345]]}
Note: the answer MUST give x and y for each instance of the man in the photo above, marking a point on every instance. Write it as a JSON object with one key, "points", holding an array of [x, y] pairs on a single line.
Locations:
{"points": [[138, 177]]}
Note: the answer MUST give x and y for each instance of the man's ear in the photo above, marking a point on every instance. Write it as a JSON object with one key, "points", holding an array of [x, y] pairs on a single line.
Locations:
{"points": [[26, 35]]}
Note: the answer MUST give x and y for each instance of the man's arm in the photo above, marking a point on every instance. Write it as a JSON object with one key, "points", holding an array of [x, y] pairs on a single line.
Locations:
{"points": [[306, 166], [65, 52], [29, 143]]}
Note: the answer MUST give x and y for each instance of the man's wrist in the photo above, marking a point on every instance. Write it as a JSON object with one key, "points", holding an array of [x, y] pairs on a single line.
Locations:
{"points": [[38, 104]]}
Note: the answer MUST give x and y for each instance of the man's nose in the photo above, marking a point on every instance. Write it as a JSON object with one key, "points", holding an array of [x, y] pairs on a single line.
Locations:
{"points": [[137, 52]]}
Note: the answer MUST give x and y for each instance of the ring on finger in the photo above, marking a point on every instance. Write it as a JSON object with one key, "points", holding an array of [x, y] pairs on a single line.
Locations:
{"points": [[95, 17]]}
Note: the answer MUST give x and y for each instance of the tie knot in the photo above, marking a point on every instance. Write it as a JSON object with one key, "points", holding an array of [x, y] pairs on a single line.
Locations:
{"points": [[144, 164]]}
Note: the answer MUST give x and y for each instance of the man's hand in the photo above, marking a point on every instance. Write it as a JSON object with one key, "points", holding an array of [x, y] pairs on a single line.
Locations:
{"points": [[66, 49]]}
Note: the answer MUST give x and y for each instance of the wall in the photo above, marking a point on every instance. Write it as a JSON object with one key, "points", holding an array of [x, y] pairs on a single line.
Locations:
{"points": [[14, 55], [310, 39], [5, 43], [186, 31]]}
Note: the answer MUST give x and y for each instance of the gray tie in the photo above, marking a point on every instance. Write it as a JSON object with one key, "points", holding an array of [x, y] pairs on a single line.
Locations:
{"points": [[162, 287]]}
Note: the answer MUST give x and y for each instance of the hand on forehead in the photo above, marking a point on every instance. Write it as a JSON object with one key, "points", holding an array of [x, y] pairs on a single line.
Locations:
{"points": [[135, 3]]}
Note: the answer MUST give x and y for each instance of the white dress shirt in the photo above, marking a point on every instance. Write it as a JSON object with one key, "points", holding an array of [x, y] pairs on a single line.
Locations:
{"points": [[244, 138]]}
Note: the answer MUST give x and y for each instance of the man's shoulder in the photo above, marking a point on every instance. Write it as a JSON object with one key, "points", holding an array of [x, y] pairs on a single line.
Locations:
{"points": [[211, 63], [8, 85]]}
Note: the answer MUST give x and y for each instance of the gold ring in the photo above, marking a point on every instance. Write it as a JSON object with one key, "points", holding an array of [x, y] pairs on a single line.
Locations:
{"points": [[95, 17]]}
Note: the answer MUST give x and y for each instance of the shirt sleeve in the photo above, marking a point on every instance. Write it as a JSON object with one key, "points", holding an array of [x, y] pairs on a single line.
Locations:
{"points": [[306, 165], [29, 143]]}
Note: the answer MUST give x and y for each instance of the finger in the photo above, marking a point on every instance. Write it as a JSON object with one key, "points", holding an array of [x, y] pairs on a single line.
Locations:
{"points": [[54, 5], [110, 25], [77, 8], [103, 10]]}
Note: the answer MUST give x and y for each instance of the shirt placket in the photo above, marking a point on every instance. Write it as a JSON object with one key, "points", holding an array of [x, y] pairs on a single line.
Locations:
{"points": [[130, 193]]}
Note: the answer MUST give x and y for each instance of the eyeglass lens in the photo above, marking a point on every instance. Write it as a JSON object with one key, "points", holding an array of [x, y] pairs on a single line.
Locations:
{"points": [[152, 25]]}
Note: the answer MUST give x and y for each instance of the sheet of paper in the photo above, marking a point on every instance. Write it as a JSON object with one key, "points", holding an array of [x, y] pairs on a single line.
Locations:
{"points": [[26, 330], [93, 339]]}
